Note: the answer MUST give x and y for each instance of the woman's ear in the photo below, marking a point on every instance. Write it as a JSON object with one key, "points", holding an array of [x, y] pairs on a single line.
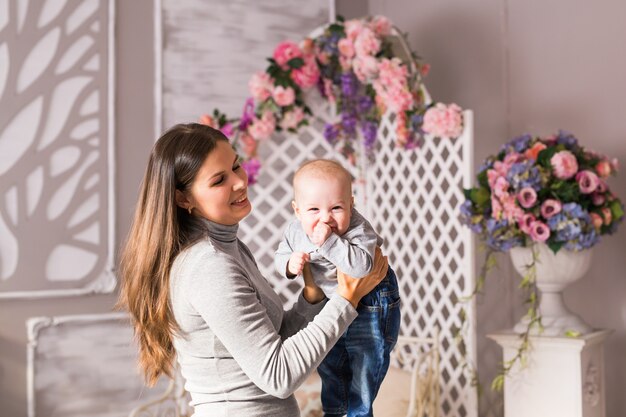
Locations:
{"points": [[182, 201]]}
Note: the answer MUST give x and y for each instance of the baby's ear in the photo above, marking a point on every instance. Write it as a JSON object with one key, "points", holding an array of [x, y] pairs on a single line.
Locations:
{"points": [[296, 210]]}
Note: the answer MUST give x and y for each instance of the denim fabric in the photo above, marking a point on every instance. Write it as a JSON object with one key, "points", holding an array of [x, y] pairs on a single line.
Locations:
{"points": [[354, 369]]}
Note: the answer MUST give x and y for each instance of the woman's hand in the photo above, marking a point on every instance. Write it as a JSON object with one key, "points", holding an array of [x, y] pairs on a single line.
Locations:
{"points": [[312, 293], [353, 289]]}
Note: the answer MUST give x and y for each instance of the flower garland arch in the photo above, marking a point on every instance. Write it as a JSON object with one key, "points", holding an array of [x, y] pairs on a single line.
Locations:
{"points": [[362, 66]]}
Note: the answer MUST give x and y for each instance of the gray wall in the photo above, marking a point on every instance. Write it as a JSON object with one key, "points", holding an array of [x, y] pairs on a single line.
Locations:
{"points": [[535, 66]]}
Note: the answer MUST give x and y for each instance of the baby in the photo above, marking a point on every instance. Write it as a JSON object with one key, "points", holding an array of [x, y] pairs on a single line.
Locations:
{"points": [[331, 235]]}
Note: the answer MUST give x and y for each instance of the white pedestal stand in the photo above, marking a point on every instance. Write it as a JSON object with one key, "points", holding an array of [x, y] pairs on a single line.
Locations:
{"points": [[564, 377]]}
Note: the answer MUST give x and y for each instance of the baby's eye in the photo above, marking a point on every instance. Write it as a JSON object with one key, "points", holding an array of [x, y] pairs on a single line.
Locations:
{"points": [[313, 209], [336, 208]]}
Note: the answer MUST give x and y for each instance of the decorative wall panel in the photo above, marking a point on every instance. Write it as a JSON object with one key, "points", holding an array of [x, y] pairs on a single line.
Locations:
{"points": [[84, 366], [56, 201]]}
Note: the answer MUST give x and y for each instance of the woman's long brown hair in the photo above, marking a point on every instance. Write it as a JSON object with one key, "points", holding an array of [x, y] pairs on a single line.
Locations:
{"points": [[159, 231]]}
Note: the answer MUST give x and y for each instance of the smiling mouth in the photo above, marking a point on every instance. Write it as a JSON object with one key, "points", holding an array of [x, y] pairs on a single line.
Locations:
{"points": [[241, 199]]}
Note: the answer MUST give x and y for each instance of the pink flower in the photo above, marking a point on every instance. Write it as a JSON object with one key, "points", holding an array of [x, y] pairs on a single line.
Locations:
{"points": [[511, 211], [292, 118], [286, 51], [587, 181], [424, 69], [608, 216], [598, 199], [264, 127], [496, 208], [564, 164], [307, 46], [533, 152], [501, 187], [366, 43], [382, 25], [353, 28], [365, 68], [207, 120], [527, 197], [550, 207], [260, 86], [492, 176], [398, 100], [283, 96], [615, 164], [601, 188], [603, 168], [228, 129], [248, 143], [525, 222], [597, 220], [443, 121], [345, 63], [346, 47], [539, 231], [328, 90], [307, 75]]}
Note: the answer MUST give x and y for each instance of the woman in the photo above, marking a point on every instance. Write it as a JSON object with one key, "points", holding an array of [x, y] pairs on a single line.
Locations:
{"points": [[194, 291]]}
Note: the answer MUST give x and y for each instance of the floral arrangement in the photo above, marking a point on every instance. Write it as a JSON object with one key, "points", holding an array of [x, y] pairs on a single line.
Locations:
{"points": [[549, 190], [353, 64], [539, 190]]}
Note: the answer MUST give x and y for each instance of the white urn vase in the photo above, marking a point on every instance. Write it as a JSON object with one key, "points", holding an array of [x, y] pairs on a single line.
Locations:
{"points": [[554, 272]]}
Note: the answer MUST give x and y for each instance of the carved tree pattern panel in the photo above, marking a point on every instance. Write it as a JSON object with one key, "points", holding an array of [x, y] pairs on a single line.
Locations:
{"points": [[56, 216]]}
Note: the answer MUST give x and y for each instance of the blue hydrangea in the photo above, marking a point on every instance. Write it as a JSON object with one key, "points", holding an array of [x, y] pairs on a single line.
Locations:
{"points": [[518, 144], [524, 174], [499, 235], [567, 139]]}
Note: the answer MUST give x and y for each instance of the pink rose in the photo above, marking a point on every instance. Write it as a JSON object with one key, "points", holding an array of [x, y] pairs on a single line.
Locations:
{"points": [[603, 168], [365, 68], [527, 197], [283, 96], [601, 188], [353, 28], [539, 231], [286, 51], [346, 47], [307, 75], [587, 181], [564, 164], [525, 222], [598, 199], [248, 143], [597, 220], [292, 118], [382, 25], [264, 127], [260, 86], [443, 121], [366, 43], [511, 211], [550, 207]]}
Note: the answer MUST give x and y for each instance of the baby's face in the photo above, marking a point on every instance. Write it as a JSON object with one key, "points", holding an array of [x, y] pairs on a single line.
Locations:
{"points": [[326, 200]]}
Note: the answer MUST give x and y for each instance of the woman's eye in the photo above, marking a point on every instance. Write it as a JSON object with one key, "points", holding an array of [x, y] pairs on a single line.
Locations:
{"points": [[236, 167], [218, 182]]}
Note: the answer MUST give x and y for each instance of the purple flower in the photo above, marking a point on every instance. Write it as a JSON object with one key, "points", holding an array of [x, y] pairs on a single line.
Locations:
{"points": [[370, 131], [252, 168], [348, 84], [331, 132], [348, 122], [567, 139], [364, 104]]}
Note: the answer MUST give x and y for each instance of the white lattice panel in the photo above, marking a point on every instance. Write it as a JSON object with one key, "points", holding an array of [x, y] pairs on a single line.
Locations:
{"points": [[411, 198]]}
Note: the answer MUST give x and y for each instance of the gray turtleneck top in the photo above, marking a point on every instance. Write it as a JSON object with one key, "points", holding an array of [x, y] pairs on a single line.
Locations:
{"points": [[239, 352]]}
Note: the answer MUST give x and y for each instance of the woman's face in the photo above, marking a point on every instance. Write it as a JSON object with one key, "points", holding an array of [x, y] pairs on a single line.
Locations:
{"points": [[220, 190]]}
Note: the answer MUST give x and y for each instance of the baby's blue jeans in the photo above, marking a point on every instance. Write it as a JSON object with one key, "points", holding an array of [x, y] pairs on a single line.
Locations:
{"points": [[354, 369]]}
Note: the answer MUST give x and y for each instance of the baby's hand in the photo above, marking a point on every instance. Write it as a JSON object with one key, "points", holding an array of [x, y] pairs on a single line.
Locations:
{"points": [[321, 231], [296, 263]]}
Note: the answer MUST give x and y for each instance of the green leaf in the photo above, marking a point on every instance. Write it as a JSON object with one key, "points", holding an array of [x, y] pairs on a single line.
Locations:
{"points": [[572, 333], [480, 196], [295, 63], [555, 246], [544, 156], [483, 180], [467, 192], [617, 211]]}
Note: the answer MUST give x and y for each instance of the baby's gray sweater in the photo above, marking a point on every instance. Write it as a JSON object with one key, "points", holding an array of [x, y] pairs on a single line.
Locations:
{"points": [[351, 253], [240, 353]]}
